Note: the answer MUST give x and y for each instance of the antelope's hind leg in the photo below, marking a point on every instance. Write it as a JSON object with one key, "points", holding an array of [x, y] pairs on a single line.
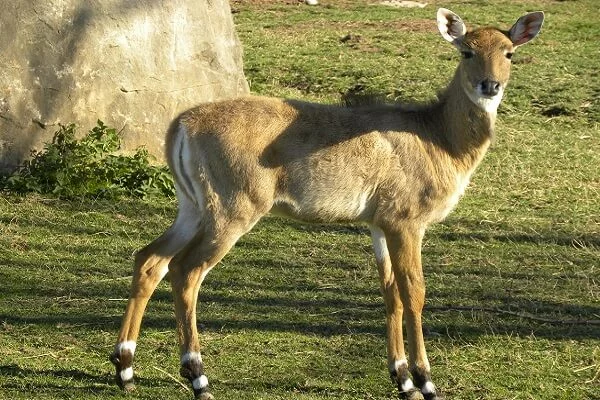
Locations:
{"points": [[151, 265], [187, 271]]}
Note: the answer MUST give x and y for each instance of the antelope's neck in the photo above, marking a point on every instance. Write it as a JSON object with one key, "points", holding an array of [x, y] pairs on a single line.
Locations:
{"points": [[469, 128]]}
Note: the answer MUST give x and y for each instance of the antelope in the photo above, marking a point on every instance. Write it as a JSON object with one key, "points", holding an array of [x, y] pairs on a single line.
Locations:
{"points": [[395, 167]]}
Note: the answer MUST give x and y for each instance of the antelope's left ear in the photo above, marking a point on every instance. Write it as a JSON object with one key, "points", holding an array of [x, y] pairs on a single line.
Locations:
{"points": [[451, 26], [526, 28]]}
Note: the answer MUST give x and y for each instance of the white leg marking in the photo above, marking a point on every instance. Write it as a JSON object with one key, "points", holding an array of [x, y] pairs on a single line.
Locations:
{"points": [[200, 382], [379, 244], [428, 388], [128, 345], [127, 374], [408, 385], [191, 356]]}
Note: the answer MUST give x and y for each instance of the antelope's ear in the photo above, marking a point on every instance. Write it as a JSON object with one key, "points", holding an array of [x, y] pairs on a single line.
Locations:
{"points": [[451, 27], [526, 28]]}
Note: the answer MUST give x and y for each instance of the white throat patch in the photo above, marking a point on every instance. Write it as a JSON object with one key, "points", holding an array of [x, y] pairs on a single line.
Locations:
{"points": [[487, 104]]}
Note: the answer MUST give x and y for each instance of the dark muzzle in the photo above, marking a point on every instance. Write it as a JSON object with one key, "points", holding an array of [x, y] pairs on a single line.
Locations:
{"points": [[490, 87]]}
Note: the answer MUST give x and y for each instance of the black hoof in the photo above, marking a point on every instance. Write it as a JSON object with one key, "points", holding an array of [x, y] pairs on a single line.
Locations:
{"points": [[193, 370], [198, 395], [128, 386], [435, 396], [414, 394]]}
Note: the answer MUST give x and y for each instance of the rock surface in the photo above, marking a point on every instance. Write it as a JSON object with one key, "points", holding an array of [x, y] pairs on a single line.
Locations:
{"points": [[134, 64]]}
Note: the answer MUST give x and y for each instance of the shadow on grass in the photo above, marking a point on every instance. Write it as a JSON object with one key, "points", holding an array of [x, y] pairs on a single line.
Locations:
{"points": [[93, 383], [62, 380], [555, 238], [293, 305], [505, 233], [285, 314], [126, 209], [130, 209]]}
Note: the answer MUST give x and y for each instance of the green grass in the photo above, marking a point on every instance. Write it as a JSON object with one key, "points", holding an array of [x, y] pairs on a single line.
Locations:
{"points": [[294, 311]]}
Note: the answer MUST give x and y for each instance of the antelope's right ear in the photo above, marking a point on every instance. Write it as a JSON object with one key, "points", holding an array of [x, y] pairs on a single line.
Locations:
{"points": [[451, 27], [526, 28]]}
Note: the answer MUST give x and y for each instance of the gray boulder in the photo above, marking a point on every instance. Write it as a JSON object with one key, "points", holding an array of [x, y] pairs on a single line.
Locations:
{"points": [[134, 64]]}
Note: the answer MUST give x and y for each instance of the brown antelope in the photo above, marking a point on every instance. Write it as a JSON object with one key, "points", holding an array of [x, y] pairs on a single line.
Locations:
{"points": [[397, 168]]}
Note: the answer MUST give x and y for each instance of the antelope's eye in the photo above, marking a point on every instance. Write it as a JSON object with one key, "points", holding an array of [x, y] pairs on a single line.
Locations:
{"points": [[467, 54], [509, 55]]}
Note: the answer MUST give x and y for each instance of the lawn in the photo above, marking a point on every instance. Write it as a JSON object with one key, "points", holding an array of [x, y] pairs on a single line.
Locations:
{"points": [[294, 311]]}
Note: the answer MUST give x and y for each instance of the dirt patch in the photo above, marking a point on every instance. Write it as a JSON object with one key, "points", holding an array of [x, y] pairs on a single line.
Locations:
{"points": [[403, 4], [557, 111], [329, 3], [357, 42], [413, 25], [262, 2]]}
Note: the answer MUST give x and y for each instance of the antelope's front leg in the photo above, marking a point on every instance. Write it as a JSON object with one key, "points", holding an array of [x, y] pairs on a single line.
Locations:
{"points": [[397, 363], [405, 253]]}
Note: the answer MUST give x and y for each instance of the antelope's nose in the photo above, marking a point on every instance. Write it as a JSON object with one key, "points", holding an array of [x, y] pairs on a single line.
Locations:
{"points": [[490, 87]]}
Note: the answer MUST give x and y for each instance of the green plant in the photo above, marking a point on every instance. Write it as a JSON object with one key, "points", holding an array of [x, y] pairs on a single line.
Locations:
{"points": [[68, 167]]}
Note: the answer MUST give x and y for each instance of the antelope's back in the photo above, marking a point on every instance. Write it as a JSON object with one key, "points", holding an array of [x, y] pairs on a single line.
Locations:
{"points": [[309, 161]]}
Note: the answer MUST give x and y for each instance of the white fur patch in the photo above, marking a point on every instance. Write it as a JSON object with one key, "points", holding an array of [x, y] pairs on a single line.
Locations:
{"points": [[191, 356], [200, 382], [379, 245], [128, 345], [360, 203], [186, 168], [487, 104], [428, 388], [192, 167], [126, 374], [408, 385]]}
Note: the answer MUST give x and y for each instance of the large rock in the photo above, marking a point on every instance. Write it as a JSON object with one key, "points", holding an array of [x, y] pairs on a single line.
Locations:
{"points": [[134, 64]]}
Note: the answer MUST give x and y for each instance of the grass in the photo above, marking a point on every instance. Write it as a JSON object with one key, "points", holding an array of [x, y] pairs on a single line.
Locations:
{"points": [[294, 311]]}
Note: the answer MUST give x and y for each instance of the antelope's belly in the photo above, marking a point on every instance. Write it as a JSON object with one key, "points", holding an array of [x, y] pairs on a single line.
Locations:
{"points": [[334, 206]]}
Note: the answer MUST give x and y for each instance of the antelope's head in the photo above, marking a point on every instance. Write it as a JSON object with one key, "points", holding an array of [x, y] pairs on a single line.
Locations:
{"points": [[486, 54]]}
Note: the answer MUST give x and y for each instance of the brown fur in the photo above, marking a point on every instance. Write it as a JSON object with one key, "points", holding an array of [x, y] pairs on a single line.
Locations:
{"points": [[397, 168]]}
